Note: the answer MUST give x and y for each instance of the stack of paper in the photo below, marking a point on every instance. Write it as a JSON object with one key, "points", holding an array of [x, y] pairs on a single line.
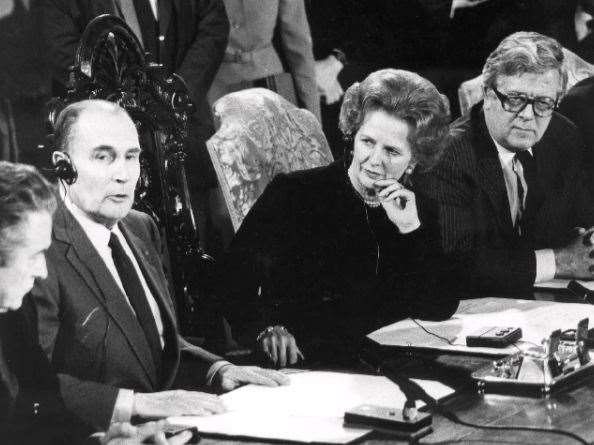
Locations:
{"points": [[310, 409], [537, 319]]}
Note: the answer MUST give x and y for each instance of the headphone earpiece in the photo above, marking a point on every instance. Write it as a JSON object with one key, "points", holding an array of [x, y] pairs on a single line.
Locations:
{"points": [[64, 169], [347, 156]]}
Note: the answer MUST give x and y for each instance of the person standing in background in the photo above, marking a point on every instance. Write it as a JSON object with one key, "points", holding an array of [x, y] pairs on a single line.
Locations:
{"points": [[269, 46], [187, 37], [251, 54]]}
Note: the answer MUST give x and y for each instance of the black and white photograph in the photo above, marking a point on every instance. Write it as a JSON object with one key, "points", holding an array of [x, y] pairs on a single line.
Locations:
{"points": [[259, 222]]}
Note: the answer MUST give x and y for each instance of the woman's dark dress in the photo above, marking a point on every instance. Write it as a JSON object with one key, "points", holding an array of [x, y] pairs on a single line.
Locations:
{"points": [[313, 257]]}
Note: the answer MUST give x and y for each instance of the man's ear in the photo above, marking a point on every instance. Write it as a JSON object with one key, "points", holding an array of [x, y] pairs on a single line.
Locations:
{"points": [[487, 98], [57, 156]]}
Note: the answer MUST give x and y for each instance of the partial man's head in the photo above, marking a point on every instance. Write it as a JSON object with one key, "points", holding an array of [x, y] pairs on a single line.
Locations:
{"points": [[523, 81], [27, 203], [101, 142]]}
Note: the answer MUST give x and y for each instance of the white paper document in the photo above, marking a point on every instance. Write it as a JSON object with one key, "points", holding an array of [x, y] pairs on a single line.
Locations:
{"points": [[559, 283], [537, 319], [310, 409]]}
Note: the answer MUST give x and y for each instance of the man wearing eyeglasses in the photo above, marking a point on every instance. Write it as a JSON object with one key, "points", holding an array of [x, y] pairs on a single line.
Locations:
{"points": [[514, 201]]}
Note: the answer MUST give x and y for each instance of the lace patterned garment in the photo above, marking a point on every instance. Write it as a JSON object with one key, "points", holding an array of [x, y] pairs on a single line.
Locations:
{"points": [[471, 91], [260, 134]]}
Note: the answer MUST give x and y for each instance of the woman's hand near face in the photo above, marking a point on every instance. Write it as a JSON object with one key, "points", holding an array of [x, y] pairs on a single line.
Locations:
{"points": [[399, 204]]}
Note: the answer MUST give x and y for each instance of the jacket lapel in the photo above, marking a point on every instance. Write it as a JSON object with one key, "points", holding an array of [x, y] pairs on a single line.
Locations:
{"points": [[490, 174], [125, 9], [86, 261]]}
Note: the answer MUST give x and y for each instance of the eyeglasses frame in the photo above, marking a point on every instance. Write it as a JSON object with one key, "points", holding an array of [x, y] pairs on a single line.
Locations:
{"points": [[527, 101]]}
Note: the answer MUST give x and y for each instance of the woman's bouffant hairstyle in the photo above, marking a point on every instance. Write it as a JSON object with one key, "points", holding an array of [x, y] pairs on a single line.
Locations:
{"points": [[524, 52], [23, 190], [404, 95]]}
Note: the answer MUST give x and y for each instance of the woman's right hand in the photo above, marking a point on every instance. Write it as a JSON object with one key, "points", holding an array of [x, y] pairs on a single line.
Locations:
{"points": [[400, 205], [279, 345]]}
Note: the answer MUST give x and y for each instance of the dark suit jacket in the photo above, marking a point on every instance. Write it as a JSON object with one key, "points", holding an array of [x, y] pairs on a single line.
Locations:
{"points": [[201, 37], [311, 256], [578, 105], [31, 409], [475, 217], [88, 329]]}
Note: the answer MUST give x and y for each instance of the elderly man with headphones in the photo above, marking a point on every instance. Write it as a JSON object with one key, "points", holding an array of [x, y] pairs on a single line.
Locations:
{"points": [[105, 315]]}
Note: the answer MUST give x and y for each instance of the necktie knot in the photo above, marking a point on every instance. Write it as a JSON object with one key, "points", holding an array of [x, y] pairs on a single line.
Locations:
{"points": [[114, 242], [524, 157]]}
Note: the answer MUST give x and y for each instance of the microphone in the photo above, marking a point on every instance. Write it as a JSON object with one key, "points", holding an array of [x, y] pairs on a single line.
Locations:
{"points": [[407, 423]]}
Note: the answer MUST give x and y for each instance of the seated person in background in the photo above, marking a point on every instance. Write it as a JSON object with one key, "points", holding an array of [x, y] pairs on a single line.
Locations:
{"points": [[329, 254], [577, 105], [105, 315], [512, 195]]}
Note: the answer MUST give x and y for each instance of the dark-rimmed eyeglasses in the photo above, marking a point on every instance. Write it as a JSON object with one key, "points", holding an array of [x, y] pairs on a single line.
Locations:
{"points": [[515, 103]]}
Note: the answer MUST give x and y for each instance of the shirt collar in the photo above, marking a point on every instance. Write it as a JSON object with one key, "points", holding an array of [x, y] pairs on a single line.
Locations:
{"points": [[506, 156], [97, 233]]}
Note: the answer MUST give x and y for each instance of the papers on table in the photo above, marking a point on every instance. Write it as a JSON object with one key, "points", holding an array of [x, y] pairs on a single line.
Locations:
{"points": [[558, 283], [310, 409], [536, 318]]}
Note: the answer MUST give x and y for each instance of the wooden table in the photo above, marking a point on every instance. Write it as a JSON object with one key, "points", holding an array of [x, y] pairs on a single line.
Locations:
{"points": [[570, 409]]}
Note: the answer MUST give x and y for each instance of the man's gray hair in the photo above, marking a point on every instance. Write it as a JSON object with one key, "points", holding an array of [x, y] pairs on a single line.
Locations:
{"points": [[70, 115], [524, 52], [23, 190]]}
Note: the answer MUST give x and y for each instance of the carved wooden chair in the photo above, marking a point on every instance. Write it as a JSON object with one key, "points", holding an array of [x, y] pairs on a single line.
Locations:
{"points": [[110, 64], [260, 134], [471, 91]]}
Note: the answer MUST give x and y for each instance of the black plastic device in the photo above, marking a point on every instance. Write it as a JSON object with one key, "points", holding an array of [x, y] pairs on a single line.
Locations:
{"points": [[390, 421], [494, 337]]}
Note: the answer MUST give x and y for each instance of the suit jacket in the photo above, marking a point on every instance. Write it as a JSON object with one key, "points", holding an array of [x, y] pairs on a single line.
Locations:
{"points": [[311, 256], [201, 37], [577, 106], [253, 27], [88, 329], [31, 409], [475, 219]]}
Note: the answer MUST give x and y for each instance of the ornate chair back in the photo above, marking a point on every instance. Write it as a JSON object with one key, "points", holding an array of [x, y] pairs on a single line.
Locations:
{"points": [[260, 134], [110, 64]]}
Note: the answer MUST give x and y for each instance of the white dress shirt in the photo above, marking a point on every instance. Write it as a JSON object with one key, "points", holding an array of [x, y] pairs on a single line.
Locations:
{"points": [[545, 258], [155, 8]]}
